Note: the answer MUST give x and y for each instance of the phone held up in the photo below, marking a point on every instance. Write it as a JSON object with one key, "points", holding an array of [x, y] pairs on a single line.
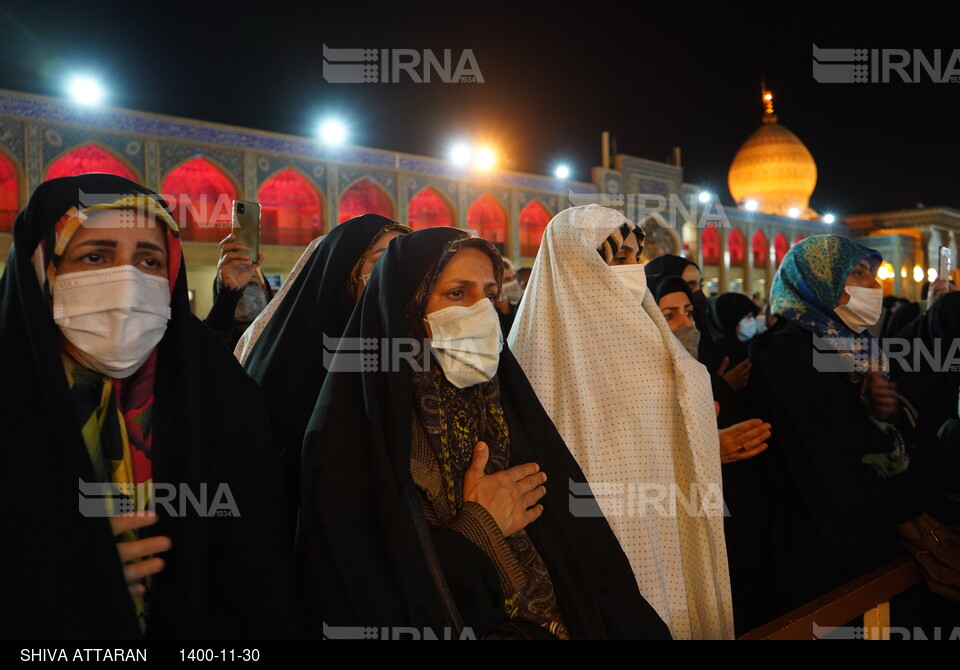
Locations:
{"points": [[246, 226], [946, 263]]}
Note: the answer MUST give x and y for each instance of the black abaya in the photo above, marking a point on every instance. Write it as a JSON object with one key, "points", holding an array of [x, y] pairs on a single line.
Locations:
{"points": [[225, 577]]}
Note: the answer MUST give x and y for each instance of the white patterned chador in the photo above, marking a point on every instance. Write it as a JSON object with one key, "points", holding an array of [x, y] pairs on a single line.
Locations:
{"points": [[637, 412]]}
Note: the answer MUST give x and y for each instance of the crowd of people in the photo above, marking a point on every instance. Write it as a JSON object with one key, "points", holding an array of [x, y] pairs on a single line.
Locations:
{"points": [[413, 432]]}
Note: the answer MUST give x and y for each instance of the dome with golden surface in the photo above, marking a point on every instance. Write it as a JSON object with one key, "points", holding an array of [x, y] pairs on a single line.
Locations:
{"points": [[774, 169]]}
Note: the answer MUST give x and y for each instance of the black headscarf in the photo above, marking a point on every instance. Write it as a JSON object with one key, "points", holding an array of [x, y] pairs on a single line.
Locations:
{"points": [[223, 577], [727, 310], [289, 360], [664, 285], [901, 318], [367, 554], [669, 264], [932, 393]]}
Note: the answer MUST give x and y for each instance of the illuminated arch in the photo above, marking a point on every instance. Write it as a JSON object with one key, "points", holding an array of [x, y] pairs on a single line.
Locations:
{"points": [[9, 193], [532, 221], [291, 209], [429, 209], [780, 247], [90, 158], [365, 196], [737, 246], [710, 245], [200, 195], [761, 250], [487, 218]]}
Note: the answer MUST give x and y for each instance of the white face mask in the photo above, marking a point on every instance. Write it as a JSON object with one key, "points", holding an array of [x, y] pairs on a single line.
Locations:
{"points": [[864, 308], [253, 301], [761, 324], [748, 329], [467, 342], [634, 277], [512, 291], [114, 317]]}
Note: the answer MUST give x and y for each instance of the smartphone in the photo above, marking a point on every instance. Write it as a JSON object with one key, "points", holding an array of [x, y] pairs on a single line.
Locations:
{"points": [[946, 263], [246, 226]]}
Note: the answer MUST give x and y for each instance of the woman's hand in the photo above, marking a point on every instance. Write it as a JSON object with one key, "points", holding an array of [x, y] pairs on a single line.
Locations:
{"points": [[884, 398], [743, 440], [136, 549], [939, 288], [234, 266], [509, 496], [737, 376]]}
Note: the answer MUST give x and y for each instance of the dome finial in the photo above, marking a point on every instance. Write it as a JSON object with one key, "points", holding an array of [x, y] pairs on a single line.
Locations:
{"points": [[767, 96]]}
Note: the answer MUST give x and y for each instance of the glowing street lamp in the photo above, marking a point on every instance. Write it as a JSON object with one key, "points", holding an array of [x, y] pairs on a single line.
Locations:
{"points": [[486, 159], [562, 172], [793, 212], [829, 218], [85, 90], [705, 197], [333, 132], [460, 153], [751, 205]]}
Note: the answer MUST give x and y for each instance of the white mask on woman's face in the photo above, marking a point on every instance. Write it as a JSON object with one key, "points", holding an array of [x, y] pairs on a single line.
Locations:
{"points": [[467, 342], [864, 308], [634, 277], [252, 302], [114, 316], [748, 329]]}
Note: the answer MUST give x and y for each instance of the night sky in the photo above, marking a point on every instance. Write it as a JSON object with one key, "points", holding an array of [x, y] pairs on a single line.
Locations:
{"points": [[554, 80]]}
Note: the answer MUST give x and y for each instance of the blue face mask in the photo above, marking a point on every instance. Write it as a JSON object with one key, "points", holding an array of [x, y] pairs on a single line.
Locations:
{"points": [[761, 324], [748, 329]]}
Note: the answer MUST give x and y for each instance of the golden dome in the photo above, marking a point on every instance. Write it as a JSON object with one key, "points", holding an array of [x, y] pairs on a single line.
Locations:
{"points": [[774, 169]]}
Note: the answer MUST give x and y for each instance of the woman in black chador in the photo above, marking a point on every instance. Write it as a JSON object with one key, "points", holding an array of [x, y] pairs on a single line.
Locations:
{"points": [[423, 481]]}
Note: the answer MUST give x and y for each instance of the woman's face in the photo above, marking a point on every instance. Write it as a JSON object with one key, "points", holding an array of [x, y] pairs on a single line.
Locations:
{"points": [[691, 275], [862, 275], [106, 240], [372, 257], [467, 278], [677, 310], [627, 253]]}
